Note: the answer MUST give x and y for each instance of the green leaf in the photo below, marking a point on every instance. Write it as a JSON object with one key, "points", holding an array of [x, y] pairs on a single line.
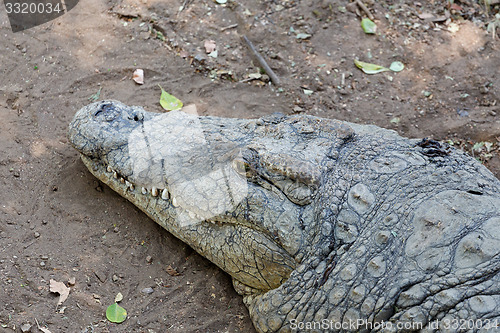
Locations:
{"points": [[397, 66], [368, 26], [369, 68], [478, 146], [303, 36], [169, 102], [116, 314]]}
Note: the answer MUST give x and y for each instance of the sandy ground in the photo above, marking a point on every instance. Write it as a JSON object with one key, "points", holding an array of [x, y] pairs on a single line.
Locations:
{"points": [[59, 222]]}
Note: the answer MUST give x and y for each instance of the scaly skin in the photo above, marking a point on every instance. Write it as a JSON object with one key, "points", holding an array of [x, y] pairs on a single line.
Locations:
{"points": [[319, 222]]}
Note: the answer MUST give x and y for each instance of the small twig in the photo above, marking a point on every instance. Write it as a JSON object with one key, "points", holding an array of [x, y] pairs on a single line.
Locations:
{"points": [[262, 62], [248, 79], [229, 27], [365, 9], [185, 3]]}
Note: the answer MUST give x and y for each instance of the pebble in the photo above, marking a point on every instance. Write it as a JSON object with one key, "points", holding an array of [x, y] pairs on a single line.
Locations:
{"points": [[25, 328], [44, 257], [37, 234], [114, 278], [149, 259], [42, 263], [147, 290]]}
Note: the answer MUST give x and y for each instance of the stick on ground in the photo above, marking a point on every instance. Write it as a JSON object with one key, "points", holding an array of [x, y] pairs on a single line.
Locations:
{"points": [[365, 9], [274, 78]]}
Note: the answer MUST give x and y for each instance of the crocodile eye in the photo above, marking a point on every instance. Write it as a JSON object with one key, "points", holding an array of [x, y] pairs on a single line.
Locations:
{"points": [[240, 166]]}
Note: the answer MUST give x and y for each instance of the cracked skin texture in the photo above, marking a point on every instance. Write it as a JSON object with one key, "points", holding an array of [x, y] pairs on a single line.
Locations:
{"points": [[315, 220]]}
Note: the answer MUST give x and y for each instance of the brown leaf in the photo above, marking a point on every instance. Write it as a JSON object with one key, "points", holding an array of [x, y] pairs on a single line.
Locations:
{"points": [[59, 288], [210, 46], [172, 271], [138, 76], [190, 109], [44, 330]]}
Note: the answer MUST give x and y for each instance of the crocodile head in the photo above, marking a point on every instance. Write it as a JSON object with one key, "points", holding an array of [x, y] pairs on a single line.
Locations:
{"points": [[240, 192]]}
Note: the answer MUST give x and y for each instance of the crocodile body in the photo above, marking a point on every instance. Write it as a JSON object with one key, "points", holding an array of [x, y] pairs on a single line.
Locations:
{"points": [[323, 225]]}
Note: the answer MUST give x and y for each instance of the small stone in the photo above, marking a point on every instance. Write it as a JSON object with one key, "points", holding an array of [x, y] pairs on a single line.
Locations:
{"points": [[44, 222], [25, 328], [147, 290], [44, 257], [149, 259], [114, 278], [72, 281], [37, 234], [101, 276], [42, 263], [115, 229]]}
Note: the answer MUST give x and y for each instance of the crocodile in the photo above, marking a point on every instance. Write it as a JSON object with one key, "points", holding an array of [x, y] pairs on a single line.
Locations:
{"points": [[323, 225]]}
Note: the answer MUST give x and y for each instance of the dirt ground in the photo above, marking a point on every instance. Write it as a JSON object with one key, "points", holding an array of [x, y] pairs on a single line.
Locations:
{"points": [[58, 222]]}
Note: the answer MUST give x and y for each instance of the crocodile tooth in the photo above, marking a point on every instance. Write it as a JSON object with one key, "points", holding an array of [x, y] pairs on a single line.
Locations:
{"points": [[122, 180], [144, 191], [115, 175], [154, 191], [108, 169], [174, 202], [164, 194]]}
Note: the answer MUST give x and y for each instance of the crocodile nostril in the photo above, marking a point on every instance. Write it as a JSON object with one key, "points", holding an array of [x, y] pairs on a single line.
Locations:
{"points": [[136, 116], [106, 112], [102, 108]]}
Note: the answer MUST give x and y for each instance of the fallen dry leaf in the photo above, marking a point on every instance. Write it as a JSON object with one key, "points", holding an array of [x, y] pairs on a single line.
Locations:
{"points": [[190, 109], [138, 76], [44, 330], [118, 298], [59, 288], [210, 46], [171, 271]]}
